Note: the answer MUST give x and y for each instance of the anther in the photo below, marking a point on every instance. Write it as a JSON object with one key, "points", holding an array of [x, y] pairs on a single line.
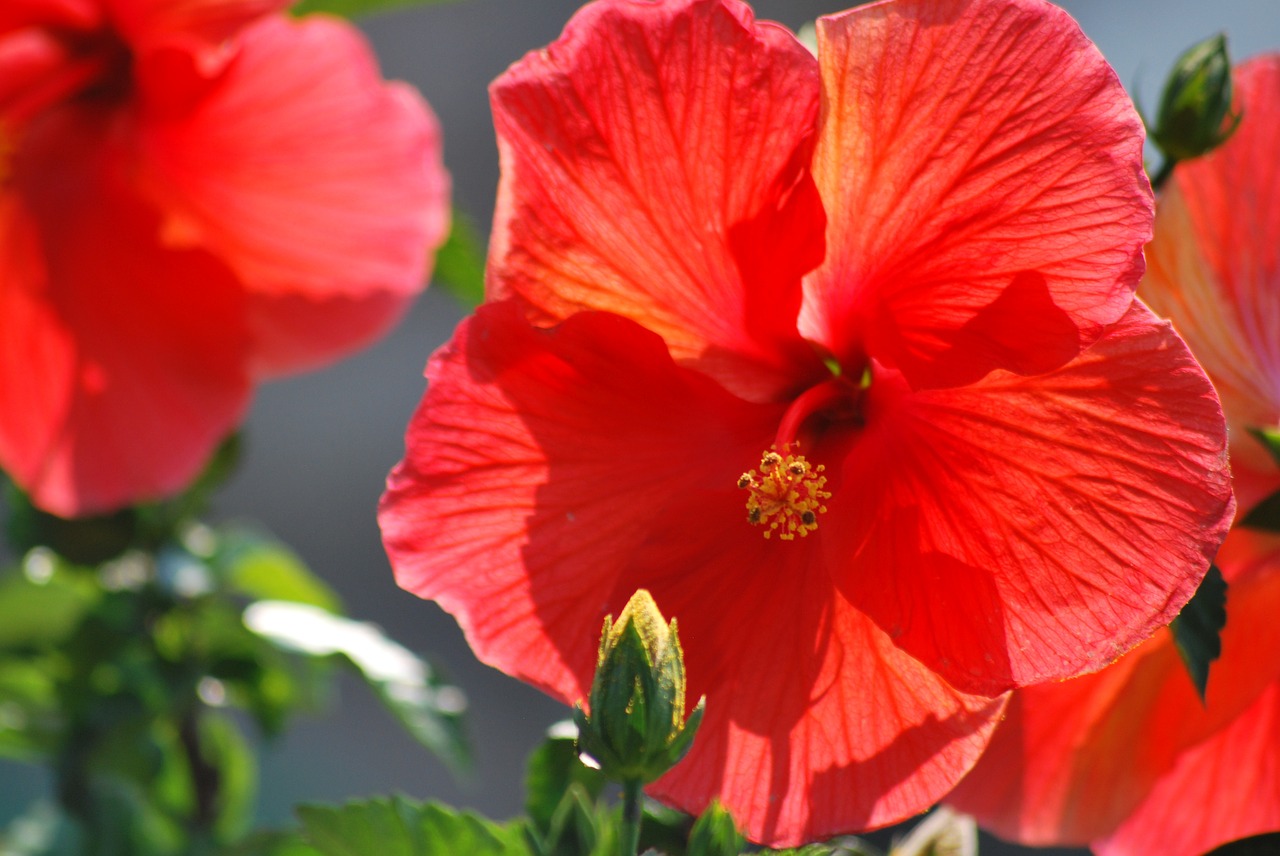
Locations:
{"points": [[787, 497]]}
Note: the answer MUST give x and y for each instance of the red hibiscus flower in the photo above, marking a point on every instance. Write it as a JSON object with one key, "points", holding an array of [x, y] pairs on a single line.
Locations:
{"points": [[1130, 759], [838, 358], [194, 195]]}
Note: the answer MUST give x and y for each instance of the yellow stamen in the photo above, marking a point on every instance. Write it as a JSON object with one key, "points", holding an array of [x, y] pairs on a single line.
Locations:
{"points": [[785, 495]]}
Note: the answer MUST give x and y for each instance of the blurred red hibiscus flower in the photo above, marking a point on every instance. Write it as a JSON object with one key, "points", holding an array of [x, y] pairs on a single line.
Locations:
{"points": [[838, 357], [194, 195], [1130, 759]]}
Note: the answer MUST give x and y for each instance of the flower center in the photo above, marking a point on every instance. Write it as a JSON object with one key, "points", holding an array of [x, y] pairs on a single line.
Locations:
{"points": [[65, 66], [785, 495]]}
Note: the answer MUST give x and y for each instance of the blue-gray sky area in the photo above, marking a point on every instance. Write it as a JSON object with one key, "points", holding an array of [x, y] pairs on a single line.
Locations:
{"points": [[319, 446]]}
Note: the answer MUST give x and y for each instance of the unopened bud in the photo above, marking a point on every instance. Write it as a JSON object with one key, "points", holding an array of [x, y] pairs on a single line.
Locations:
{"points": [[636, 730], [1195, 109]]}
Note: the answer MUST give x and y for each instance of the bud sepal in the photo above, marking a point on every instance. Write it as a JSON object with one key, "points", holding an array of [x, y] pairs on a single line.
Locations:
{"points": [[1195, 114], [637, 729]]}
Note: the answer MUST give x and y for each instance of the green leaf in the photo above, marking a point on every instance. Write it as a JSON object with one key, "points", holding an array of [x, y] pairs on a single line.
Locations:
{"points": [[398, 827], [428, 708], [42, 830], [264, 569], [355, 8], [37, 615], [715, 834], [271, 843], [844, 846], [1267, 844], [460, 262], [1264, 516], [664, 829], [84, 541], [1197, 629], [225, 750], [551, 771], [30, 719], [1270, 440]]}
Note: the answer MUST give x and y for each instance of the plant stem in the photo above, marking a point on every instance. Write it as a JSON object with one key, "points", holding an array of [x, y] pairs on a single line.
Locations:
{"points": [[205, 777], [1162, 174], [630, 817]]}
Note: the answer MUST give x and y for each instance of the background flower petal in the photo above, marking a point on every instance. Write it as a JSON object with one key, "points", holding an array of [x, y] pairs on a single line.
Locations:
{"points": [[1227, 787], [1072, 760], [1026, 529], [1213, 266], [982, 172], [299, 332], [301, 169], [139, 347], [655, 164], [203, 24], [75, 14]]}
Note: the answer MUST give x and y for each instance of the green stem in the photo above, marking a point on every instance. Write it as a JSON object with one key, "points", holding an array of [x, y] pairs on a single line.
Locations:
{"points": [[1162, 174], [630, 817], [206, 780]]}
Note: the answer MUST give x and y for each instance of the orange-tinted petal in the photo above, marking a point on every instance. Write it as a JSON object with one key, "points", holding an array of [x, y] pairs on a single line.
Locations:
{"points": [[981, 168], [1226, 788], [1214, 263], [120, 368], [1073, 760], [1025, 529], [302, 170], [655, 164]]}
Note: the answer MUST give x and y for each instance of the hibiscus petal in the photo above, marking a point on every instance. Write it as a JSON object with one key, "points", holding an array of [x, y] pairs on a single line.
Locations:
{"points": [[138, 347], [550, 474], [303, 170], [1226, 788], [203, 23], [655, 164], [295, 332], [537, 461], [73, 14], [982, 172], [1027, 529], [1213, 265], [816, 723], [1072, 760]]}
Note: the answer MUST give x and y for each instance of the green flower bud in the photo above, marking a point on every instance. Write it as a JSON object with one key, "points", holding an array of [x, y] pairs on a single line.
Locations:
{"points": [[1195, 110], [636, 730]]}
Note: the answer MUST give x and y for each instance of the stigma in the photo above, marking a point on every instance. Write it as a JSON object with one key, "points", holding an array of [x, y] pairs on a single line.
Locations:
{"points": [[785, 495]]}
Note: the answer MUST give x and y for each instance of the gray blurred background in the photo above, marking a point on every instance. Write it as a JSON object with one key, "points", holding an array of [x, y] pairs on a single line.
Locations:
{"points": [[319, 446]]}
